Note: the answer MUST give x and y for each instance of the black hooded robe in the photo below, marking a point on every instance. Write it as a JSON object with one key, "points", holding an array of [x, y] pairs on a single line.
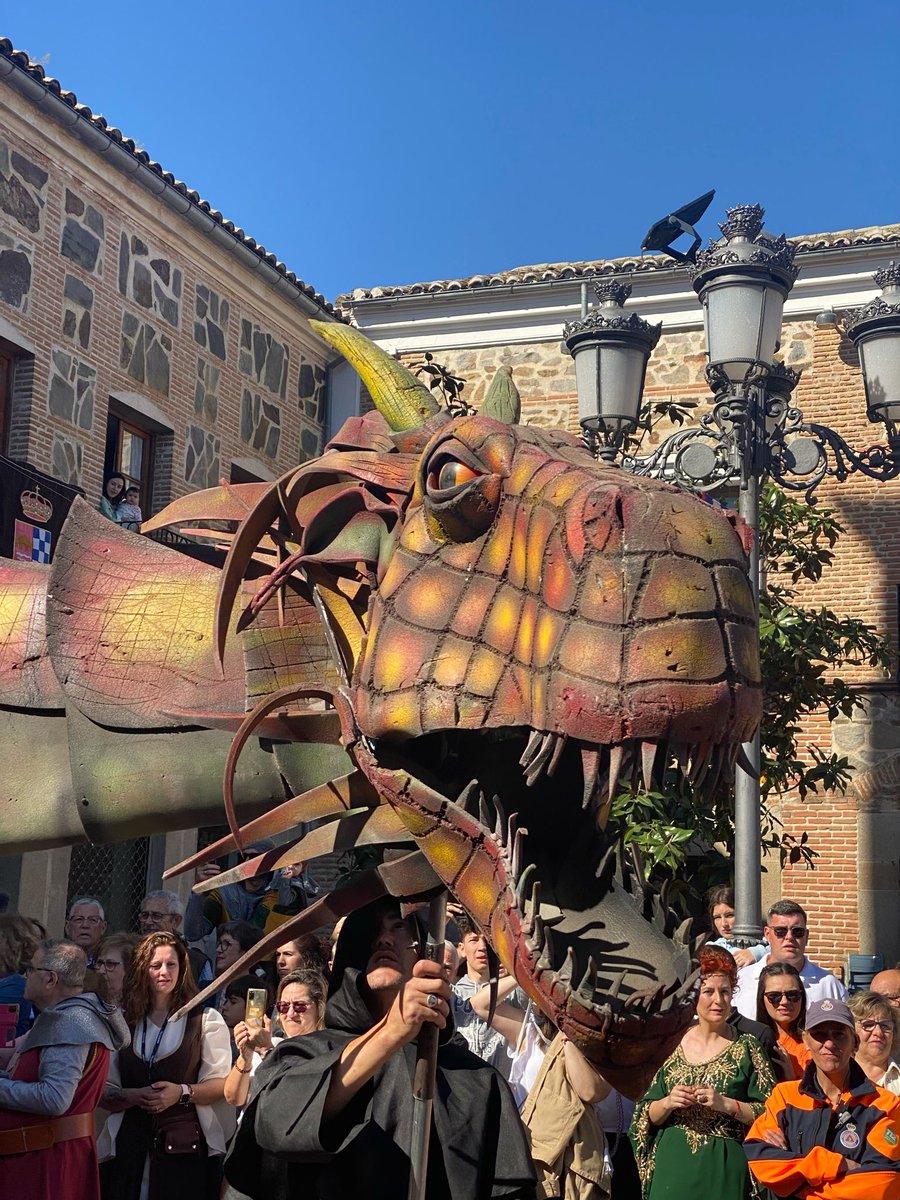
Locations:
{"points": [[478, 1147]]}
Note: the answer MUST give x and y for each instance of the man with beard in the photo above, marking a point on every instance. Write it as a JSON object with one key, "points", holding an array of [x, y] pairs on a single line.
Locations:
{"points": [[332, 1115]]}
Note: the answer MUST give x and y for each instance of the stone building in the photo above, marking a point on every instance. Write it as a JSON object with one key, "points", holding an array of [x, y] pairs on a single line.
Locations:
{"points": [[516, 317], [140, 332]]}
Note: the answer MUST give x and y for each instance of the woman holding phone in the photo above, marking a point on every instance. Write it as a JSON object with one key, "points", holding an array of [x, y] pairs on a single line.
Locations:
{"points": [[300, 1005]]}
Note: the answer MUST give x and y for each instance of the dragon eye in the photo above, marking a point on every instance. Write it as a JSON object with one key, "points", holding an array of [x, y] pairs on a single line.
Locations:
{"points": [[452, 474]]}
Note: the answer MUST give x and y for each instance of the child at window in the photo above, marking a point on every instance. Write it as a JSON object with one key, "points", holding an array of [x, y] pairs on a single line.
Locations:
{"points": [[128, 513]]}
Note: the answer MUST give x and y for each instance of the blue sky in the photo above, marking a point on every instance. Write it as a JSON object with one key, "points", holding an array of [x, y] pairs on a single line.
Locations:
{"points": [[383, 143]]}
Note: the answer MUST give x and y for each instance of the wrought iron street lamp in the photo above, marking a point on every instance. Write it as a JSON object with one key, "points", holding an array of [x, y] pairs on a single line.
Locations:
{"points": [[752, 433]]}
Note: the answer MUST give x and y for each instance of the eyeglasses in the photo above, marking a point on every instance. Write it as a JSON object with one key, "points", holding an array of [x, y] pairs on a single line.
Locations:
{"points": [[792, 996], [106, 964], [884, 1026], [31, 968], [153, 916], [299, 1007], [781, 931], [84, 920]]}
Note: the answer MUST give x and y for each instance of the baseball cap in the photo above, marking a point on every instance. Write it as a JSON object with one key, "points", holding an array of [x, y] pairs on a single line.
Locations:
{"points": [[822, 1011]]}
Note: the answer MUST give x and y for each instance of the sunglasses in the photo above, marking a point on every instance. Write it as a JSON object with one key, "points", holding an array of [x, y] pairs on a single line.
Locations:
{"points": [[792, 997], [299, 1007], [884, 1026], [781, 931]]}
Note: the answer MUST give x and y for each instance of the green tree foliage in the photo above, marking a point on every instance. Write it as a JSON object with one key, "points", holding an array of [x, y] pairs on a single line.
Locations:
{"points": [[804, 650]]}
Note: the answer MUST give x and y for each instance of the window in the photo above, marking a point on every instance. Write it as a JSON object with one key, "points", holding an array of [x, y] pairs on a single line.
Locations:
{"points": [[129, 452]]}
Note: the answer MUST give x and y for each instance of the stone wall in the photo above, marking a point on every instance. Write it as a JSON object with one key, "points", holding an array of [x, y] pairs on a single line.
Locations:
{"points": [[106, 291]]}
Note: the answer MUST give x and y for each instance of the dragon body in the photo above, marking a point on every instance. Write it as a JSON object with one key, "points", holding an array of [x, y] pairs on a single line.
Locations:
{"points": [[452, 634]]}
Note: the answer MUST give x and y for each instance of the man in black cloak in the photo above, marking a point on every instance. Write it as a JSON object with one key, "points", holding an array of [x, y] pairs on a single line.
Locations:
{"points": [[331, 1112]]}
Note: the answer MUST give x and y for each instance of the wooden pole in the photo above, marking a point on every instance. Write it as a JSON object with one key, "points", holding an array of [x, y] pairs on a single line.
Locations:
{"points": [[426, 1061]]}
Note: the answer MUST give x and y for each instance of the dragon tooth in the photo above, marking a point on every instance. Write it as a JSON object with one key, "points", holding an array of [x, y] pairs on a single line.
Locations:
{"points": [[590, 768], [564, 974], [683, 758], [518, 845], [615, 767], [700, 763], [484, 812], [745, 764], [681, 933], [615, 985], [558, 748], [522, 884], [589, 978], [536, 899], [468, 797], [607, 869], [531, 749], [500, 828], [648, 759]]}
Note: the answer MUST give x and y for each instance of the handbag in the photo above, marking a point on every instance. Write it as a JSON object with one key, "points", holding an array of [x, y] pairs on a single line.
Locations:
{"points": [[177, 1131]]}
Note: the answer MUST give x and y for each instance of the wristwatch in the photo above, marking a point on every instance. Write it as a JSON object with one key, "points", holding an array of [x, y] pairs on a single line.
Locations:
{"points": [[187, 1094]]}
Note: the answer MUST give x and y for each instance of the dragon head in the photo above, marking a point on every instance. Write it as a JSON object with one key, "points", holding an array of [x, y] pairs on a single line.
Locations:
{"points": [[519, 628]]}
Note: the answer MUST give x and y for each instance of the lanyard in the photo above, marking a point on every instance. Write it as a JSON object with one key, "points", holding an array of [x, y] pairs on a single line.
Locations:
{"points": [[153, 1053]]}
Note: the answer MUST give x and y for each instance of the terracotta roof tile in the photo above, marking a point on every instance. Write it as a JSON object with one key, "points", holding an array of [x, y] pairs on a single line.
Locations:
{"points": [[552, 272]]}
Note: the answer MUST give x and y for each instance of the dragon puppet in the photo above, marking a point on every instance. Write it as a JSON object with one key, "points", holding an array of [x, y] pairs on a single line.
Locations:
{"points": [[451, 635]]}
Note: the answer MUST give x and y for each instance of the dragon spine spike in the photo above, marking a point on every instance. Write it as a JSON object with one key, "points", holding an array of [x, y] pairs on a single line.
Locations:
{"points": [[502, 401], [607, 869], [469, 797], [615, 985], [681, 933], [565, 972], [401, 399], [511, 832], [589, 978]]}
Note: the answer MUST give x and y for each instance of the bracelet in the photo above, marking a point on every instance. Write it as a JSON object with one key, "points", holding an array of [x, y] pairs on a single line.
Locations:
{"points": [[249, 1070]]}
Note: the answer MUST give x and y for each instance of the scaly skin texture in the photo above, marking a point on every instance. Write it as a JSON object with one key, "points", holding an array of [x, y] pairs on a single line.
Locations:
{"points": [[505, 629]]}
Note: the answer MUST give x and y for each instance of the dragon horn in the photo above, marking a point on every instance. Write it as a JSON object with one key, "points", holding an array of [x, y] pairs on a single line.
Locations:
{"points": [[399, 397], [502, 400]]}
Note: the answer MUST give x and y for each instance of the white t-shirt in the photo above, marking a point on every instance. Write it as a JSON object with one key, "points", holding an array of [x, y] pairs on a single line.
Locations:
{"points": [[818, 983]]}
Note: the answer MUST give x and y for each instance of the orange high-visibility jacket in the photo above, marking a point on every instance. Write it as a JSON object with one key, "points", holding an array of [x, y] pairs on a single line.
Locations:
{"points": [[865, 1128]]}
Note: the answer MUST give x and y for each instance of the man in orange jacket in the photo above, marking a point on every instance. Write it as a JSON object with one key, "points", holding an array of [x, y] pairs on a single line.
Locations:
{"points": [[832, 1135]]}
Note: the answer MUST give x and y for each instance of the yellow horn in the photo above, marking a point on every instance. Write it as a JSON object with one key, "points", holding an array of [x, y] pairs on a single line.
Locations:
{"points": [[398, 395]]}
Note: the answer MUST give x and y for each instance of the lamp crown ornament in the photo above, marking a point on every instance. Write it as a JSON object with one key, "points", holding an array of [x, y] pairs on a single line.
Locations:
{"points": [[615, 290], [889, 276], [743, 221], [610, 315]]}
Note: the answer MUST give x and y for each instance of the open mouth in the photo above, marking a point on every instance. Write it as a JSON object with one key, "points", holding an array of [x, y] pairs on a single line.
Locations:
{"points": [[598, 943]]}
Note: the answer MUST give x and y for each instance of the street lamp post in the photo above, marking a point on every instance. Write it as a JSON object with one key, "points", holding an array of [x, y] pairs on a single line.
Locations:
{"points": [[752, 433]]}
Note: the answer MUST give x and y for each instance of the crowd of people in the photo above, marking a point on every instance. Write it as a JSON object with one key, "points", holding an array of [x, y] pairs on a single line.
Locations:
{"points": [[296, 1078]]}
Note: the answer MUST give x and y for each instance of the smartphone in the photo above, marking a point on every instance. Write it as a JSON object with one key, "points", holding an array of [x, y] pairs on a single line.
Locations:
{"points": [[256, 1007]]}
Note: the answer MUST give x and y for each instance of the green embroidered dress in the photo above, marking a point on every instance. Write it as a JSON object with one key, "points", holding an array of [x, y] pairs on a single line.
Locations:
{"points": [[698, 1154]]}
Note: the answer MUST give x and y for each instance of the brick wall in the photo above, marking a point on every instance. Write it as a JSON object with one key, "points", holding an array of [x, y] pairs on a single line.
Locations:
{"points": [[107, 291]]}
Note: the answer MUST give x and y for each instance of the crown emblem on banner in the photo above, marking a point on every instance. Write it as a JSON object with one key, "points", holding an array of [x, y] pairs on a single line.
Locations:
{"points": [[36, 506]]}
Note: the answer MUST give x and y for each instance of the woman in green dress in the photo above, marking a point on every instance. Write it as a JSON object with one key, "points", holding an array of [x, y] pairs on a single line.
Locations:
{"points": [[688, 1129]]}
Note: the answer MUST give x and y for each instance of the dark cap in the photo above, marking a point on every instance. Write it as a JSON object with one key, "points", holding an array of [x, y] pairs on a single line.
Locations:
{"points": [[822, 1011]]}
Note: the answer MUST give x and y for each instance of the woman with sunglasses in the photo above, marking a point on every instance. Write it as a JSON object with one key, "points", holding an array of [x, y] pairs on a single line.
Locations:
{"points": [[876, 1028], [300, 1005], [781, 1004]]}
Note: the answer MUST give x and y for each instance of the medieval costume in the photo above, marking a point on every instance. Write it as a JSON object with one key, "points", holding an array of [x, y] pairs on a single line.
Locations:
{"points": [[699, 1152], [478, 1147], [47, 1102]]}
